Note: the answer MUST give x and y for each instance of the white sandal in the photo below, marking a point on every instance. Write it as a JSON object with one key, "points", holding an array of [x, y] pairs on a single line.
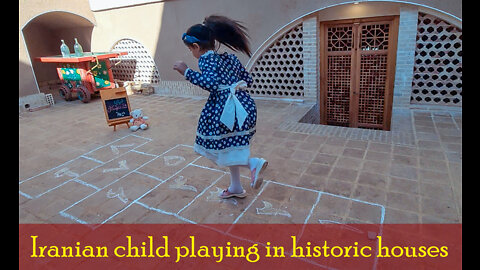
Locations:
{"points": [[227, 194], [257, 179]]}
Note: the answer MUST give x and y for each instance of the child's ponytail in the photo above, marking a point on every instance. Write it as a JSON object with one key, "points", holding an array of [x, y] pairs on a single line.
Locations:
{"points": [[229, 32]]}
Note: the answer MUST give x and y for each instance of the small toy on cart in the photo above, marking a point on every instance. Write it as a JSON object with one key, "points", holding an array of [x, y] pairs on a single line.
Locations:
{"points": [[83, 74]]}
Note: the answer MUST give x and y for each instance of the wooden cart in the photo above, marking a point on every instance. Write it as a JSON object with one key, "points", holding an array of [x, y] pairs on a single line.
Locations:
{"points": [[85, 75]]}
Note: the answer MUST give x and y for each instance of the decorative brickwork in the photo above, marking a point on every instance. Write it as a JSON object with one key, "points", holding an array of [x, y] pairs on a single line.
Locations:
{"points": [[278, 72], [437, 75], [137, 65]]}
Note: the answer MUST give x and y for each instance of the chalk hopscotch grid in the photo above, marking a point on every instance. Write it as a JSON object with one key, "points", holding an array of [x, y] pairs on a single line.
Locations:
{"points": [[266, 183], [136, 201], [177, 215], [65, 214], [90, 158], [77, 178]]}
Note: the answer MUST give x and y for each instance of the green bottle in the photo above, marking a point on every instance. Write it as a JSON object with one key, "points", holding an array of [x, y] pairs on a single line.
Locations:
{"points": [[64, 49], [78, 48]]}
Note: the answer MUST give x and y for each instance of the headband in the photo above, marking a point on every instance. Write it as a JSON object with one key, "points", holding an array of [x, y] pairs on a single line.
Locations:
{"points": [[190, 39]]}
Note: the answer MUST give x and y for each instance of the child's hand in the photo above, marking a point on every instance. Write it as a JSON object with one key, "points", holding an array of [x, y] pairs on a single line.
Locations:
{"points": [[180, 66]]}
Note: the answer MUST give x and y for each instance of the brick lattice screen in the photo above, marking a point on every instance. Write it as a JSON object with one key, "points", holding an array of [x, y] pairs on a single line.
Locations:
{"points": [[437, 77], [137, 65], [278, 72]]}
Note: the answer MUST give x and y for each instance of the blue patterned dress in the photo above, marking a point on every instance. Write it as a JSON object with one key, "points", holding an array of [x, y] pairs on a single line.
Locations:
{"points": [[214, 140]]}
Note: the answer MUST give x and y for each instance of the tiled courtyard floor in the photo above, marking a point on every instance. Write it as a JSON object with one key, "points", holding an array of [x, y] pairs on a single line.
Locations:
{"points": [[74, 168]]}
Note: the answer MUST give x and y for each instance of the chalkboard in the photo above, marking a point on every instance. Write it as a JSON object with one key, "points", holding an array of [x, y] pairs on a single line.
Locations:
{"points": [[117, 108]]}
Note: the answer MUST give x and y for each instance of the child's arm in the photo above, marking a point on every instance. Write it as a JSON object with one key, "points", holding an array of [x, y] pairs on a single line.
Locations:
{"points": [[244, 75], [207, 79]]}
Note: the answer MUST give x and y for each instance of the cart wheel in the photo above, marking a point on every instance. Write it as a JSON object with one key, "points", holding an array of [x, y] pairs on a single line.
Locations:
{"points": [[65, 92], [83, 94]]}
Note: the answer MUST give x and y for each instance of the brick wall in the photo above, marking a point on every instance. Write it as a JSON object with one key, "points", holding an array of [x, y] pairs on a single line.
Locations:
{"points": [[403, 74], [179, 88], [407, 33], [310, 61]]}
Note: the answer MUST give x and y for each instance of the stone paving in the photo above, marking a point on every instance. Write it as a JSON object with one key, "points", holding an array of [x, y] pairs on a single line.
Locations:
{"points": [[76, 169]]}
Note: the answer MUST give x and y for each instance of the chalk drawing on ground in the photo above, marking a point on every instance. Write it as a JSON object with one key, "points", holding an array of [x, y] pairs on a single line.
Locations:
{"points": [[173, 161], [269, 210], [122, 166], [213, 197], [120, 194], [66, 171], [179, 183]]}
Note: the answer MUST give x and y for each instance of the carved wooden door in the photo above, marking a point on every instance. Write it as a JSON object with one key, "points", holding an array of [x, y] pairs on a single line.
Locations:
{"points": [[357, 70]]}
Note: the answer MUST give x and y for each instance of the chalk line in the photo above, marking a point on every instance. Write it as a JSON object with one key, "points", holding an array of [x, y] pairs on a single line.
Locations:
{"points": [[203, 191], [144, 194], [111, 183], [250, 204], [149, 175], [25, 195], [86, 184], [67, 215], [165, 212], [70, 160], [92, 159]]}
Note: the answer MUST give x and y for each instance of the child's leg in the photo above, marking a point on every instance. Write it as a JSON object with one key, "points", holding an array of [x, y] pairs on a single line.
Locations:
{"points": [[257, 167], [252, 163], [235, 185]]}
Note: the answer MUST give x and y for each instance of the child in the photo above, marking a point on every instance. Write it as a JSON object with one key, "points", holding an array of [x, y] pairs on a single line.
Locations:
{"points": [[227, 122]]}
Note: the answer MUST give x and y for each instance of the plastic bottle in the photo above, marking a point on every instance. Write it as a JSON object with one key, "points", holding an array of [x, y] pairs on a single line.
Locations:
{"points": [[64, 49], [78, 48]]}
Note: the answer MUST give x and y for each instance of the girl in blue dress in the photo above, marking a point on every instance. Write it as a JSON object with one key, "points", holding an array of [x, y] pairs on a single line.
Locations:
{"points": [[227, 122]]}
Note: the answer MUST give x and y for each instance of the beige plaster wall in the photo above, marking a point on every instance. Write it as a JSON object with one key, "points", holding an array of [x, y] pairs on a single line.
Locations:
{"points": [[28, 11], [159, 26], [141, 23]]}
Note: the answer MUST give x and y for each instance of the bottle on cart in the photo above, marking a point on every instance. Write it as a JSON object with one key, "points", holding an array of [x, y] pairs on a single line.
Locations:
{"points": [[64, 49], [78, 48]]}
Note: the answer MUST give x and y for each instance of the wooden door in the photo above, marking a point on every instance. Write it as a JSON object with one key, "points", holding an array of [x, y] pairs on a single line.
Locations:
{"points": [[357, 70]]}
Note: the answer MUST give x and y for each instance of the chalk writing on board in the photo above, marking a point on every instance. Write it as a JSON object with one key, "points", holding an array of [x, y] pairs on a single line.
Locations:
{"points": [[117, 108]]}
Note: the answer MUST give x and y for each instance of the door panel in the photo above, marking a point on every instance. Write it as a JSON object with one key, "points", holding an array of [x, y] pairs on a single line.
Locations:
{"points": [[338, 90], [357, 60], [339, 46]]}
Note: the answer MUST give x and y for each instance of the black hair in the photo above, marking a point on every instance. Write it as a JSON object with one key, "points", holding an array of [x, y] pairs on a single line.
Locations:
{"points": [[226, 31]]}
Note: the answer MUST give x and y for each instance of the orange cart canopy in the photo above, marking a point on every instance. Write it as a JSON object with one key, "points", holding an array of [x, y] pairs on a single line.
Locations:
{"points": [[87, 56]]}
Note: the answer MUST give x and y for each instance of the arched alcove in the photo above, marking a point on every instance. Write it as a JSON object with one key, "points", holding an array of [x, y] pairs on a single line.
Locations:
{"points": [[43, 35]]}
